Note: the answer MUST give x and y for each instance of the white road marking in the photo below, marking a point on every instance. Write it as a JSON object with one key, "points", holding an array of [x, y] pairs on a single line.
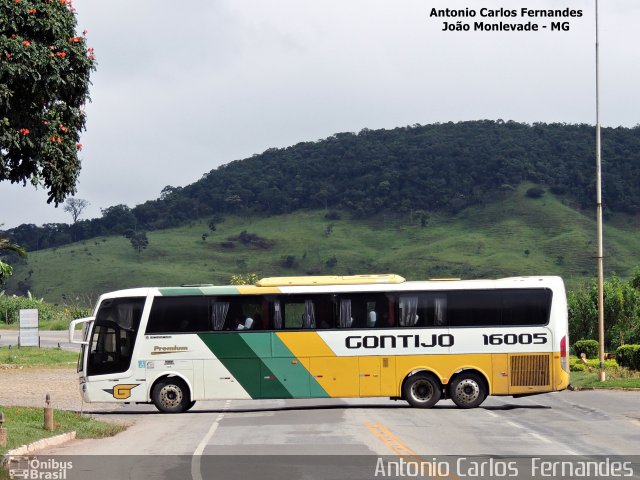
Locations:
{"points": [[195, 459], [540, 437]]}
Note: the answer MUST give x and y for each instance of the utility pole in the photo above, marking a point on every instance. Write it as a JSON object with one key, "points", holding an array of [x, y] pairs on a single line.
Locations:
{"points": [[599, 211]]}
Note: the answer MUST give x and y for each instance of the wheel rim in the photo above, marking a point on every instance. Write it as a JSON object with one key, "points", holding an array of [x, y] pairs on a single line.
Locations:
{"points": [[170, 396], [422, 391], [467, 391]]}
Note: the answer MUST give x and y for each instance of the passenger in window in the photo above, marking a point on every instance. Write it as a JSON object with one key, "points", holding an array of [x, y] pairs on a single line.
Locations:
{"points": [[248, 323], [184, 326], [324, 325], [371, 319], [235, 323]]}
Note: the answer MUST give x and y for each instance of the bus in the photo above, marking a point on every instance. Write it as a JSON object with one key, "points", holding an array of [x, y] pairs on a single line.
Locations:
{"points": [[326, 337]]}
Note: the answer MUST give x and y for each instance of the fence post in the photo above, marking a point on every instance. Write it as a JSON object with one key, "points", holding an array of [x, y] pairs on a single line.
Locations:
{"points": [[3, 432], [48, 414]]}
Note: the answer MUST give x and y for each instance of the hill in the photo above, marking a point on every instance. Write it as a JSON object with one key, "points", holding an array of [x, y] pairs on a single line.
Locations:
{"points": [[439, 168], [512, 234]]}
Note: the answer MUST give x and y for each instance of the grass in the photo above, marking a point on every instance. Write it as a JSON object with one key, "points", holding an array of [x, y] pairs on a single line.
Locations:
{"points": [[513, 235], [37, 357], [25, 425], [587, 376]]}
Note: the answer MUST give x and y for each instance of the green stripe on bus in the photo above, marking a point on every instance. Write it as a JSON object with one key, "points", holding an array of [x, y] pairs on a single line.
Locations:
{"points": [[244, 364], [294, 376], [249, 358], [211, 290]]}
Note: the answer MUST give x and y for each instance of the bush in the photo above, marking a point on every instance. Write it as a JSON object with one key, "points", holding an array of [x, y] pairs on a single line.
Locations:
{"points": [[628, 356], [535, 192], [10, 307], [590, 348], [289, 261], [574, 366]]}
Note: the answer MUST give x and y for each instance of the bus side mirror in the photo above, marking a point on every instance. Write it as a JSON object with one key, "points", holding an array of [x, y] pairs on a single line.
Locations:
{"points": [[72, 328]]}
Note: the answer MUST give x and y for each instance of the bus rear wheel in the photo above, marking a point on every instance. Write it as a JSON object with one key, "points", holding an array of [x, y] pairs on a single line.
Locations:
{"points": [[171, 395], [422, 390], [468, 390]]}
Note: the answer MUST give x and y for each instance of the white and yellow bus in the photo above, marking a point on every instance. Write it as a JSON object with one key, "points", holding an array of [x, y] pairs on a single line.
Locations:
{"points": [[318, 337]]}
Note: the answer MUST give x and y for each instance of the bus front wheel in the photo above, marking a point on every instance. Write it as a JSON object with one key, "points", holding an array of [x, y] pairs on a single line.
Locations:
{"points": [[171, 395], [422, 390], [467, 390]]}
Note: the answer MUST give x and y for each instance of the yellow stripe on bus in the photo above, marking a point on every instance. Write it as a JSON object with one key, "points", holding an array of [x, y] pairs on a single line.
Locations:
{"points": [[253, 290], [305, 344]]}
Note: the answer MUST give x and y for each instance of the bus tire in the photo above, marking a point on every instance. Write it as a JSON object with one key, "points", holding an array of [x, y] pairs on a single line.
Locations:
{"points": [[171, 395], [421, 390], [190, 405], [467, 390]]}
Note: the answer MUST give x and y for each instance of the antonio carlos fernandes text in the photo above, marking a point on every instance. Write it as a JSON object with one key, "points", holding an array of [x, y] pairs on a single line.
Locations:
{"points": [[535, 467]]}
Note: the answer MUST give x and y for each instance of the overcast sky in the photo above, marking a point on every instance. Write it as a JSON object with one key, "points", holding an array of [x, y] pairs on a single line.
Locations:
{"points": [[182, 87]]}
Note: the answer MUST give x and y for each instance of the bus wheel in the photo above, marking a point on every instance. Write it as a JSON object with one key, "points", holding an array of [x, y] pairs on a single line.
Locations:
{"points": [[190, 405], [467, 390], [171, 395], [421, 390]]}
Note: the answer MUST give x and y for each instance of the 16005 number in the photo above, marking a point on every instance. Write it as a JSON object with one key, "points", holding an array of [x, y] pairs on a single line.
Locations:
{"points": [[515, 339]]}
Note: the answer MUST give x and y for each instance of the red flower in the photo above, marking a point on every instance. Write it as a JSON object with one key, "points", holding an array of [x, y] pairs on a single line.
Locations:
{"points": [[32, 10], [61, 54], [79, 146], [52, 138], [24, 131], [8, 55], [62, 128], [26, 43]]}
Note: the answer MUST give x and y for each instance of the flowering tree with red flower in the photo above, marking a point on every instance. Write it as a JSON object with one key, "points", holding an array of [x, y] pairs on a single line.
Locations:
{"points": [[44, 85]]}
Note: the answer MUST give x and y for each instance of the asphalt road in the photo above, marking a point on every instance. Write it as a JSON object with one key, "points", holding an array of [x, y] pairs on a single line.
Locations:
{"points": [[48, 338], [344, 438]]}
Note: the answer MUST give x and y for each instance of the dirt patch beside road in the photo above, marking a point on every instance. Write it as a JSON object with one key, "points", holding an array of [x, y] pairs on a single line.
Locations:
{"points": [[29, 387]]}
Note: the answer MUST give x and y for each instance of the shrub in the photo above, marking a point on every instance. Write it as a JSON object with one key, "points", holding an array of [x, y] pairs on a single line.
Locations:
{"points": [[535, 192], [289, 261], [628, 356], [590, 348], [575, 366], [332, 215], [10, 307]]}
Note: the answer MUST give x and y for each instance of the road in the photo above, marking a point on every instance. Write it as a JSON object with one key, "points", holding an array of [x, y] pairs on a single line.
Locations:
{"points": [[48, 338], [345, 438]]}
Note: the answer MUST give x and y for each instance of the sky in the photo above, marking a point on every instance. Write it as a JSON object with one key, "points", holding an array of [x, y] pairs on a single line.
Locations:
{"points": [[183, 87]]}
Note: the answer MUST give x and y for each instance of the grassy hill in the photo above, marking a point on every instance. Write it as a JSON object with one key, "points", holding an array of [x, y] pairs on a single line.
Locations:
{"points": [[512, 235]]}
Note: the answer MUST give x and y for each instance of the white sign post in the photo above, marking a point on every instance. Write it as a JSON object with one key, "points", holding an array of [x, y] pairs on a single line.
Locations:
{"points": [[29, 336]]}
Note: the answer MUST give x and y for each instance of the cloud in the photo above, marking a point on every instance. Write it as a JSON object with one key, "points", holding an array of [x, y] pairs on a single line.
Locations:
{"points": [[184, 87]]}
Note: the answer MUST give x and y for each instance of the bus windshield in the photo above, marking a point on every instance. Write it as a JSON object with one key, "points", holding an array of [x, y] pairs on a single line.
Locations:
{"points": [[114, 335]]}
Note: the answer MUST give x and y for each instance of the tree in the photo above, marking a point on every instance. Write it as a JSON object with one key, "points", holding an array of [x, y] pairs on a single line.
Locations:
{"points": [[635, 281], [44, 84], [423, 217], [75, 207], [139, 241], [118, 219], [244, 279], [5, 269], [621, 312]]}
